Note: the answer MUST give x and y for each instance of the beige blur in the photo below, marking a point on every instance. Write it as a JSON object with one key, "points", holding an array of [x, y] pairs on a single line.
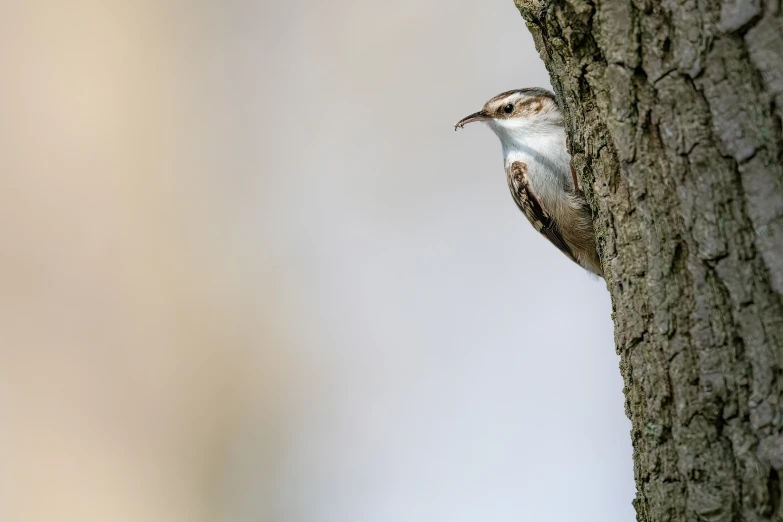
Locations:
{"points": [[249, 273], [122, 335]]}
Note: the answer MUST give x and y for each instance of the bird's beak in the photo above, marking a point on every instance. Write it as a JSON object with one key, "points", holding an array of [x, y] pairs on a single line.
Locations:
{"points": [[476, 116]]}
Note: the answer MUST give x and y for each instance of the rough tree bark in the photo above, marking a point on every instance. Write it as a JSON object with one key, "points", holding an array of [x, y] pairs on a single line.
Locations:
{"points": [[673, 111]]}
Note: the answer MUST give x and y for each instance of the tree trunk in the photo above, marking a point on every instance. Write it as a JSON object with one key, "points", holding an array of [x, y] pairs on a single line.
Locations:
{"points": [[673, 112]]}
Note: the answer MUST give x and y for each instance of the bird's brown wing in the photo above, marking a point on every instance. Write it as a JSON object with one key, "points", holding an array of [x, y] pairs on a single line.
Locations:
{"points": [[531, 207]]}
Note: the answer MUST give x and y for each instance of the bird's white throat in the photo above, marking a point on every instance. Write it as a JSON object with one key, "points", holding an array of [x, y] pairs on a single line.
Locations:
{"points": [[526, 140]]}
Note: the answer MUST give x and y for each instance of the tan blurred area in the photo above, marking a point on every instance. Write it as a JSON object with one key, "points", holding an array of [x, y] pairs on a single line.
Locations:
{"points": [[123, 340], [250, 273]]}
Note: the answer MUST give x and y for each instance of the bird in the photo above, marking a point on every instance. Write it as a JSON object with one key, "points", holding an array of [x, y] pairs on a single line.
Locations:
{"points": [[538, 168]]}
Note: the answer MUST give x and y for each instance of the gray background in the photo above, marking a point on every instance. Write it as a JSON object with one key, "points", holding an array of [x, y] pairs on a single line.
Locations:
{"points": [[251, 273]]}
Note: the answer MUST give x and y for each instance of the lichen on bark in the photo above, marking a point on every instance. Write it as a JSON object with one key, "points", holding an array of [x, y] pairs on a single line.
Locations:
{"points": [[673, 112]]}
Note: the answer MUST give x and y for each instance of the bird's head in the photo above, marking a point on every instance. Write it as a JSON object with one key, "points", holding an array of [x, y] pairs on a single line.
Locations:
{"points": [[517, 111]]}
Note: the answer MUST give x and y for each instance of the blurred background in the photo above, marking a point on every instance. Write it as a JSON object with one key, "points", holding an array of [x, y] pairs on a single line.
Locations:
{"points": [[250, 273]]}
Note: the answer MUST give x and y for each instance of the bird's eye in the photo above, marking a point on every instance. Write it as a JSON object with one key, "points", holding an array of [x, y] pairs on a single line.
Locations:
{"points": [[508, 109]]}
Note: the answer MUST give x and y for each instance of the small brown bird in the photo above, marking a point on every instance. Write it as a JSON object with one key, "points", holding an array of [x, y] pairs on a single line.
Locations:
{"points": [[538, 168]]}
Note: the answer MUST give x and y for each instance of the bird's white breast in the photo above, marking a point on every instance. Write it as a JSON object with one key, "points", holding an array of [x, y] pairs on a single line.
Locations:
{"points": [[542, 147]]}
